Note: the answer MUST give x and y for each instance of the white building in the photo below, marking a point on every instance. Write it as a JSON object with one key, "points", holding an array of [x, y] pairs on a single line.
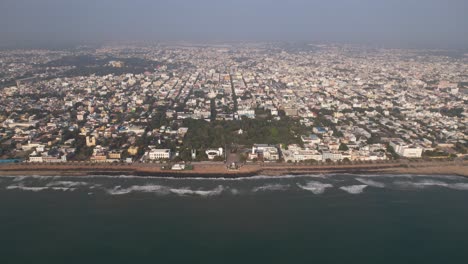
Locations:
{"points": [[156, 154], [250, 113], [334, 156], [411, 152], [269, 152], [301, 155], [311, 139], [212, 153], [36, 159], [405, 150]]}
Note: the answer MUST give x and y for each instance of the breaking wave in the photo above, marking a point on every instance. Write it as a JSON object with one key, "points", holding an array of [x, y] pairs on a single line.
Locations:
{"points": [[164, 190], [19, 178], [118, 190], [353, 189], [67, 184], [37, 189], [431, 183], [271, 187], [186, 191], [315, 187], [371, 183]]}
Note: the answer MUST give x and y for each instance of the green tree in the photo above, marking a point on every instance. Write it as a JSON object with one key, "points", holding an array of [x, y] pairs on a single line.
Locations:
{"points": [[343, 147]]}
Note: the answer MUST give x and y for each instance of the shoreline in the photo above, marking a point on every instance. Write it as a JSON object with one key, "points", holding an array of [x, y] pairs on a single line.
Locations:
{"points": [[220, 171]]}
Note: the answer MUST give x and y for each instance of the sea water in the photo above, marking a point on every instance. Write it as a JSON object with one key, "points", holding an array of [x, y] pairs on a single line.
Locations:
{"points": [[337, 218]]}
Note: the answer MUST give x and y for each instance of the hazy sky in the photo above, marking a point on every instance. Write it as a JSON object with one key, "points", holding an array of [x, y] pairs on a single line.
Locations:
{"points": [[392, 23]]}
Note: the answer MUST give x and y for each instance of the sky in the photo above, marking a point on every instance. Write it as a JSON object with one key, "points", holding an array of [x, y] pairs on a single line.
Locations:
{"points": [[387, 23]]}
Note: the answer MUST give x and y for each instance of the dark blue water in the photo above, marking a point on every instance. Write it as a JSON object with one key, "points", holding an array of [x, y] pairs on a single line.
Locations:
{"points": [[305, 219]]}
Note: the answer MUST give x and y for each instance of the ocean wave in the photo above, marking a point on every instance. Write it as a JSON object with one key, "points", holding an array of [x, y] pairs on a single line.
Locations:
{"points": [[19, 178], [118, 190], [459, 186], [164, 190], [186, 191], [431, 183], [353, 189], [251, 178], [271, 187], [371, 183], [67, 184], [25, 177], [24, 188], [369, 175], [37, 189], [315, 187]]}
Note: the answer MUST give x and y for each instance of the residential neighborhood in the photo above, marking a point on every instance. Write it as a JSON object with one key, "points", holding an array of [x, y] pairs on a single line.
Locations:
{"points": [[258, 102]]}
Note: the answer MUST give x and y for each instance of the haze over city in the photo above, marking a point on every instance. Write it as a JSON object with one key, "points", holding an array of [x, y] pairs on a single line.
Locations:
{"points": [[400, 24]]}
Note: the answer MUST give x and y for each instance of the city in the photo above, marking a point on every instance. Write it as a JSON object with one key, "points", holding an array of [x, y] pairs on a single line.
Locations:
{"points": [[253, 102]]}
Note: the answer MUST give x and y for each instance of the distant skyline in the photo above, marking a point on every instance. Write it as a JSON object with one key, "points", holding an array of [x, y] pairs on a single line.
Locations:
{"points": [[395, 24]]}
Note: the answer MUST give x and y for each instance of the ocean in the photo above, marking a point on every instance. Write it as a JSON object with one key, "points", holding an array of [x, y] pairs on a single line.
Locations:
{"points": [[338, 218]]}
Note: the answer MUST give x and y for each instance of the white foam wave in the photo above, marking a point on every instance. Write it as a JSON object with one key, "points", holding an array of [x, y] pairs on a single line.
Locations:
{"points": [[366, 175], [24, 177], [315, 187], [37, 189], [272, 187], [353, 189], [459, 186], [19, 178], [67, 184], [24, 188], [62, 189], [259, 177], [186, 191], [371, 183], [139, 188], [431, 183], [164, 190]]}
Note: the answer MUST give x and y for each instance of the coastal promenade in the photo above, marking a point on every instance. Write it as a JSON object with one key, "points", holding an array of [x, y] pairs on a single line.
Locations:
{"points": [[219, 169]]}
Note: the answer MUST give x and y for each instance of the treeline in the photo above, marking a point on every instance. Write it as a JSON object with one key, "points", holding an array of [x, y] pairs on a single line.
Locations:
{"points": [[203, 134]]}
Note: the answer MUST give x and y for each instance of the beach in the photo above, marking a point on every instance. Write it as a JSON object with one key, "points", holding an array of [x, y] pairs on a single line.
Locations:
{"points": [[215, 170]]}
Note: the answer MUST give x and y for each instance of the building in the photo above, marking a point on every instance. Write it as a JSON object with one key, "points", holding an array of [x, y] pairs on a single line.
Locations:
{"points": [[290, 111], [319, 130], [296, 155], [213, 153], [411, 152], [90, 141], [157, 154], [115, 155], [249, 113], [99, 157], [407, 151], [36, 159], [132, 151], [311, 139], [268, 152], [333, 156]]}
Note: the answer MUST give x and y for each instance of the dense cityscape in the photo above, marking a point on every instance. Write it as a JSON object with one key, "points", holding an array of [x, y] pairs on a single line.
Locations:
{"points": [[232, 103]]}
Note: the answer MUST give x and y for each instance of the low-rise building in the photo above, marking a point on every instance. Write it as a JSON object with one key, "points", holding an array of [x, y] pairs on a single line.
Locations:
{"points": [[268, 152], [213, 153], [405, 150], [157, 154]]}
